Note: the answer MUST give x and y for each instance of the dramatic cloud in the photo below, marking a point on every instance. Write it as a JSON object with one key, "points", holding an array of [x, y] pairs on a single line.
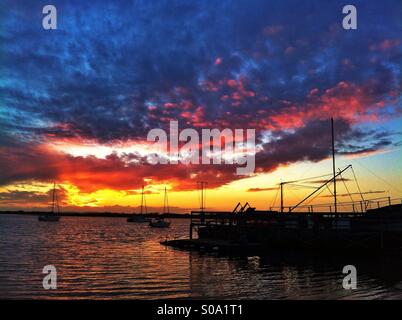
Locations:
{"points": [[20, 198], [114, 70]]}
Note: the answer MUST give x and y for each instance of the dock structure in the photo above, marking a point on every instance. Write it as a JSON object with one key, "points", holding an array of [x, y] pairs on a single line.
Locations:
{"points": [[372, 225], [376, 230]]}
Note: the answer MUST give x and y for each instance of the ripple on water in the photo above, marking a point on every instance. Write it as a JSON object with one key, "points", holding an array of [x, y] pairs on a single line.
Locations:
{"points": [[107, 258]]}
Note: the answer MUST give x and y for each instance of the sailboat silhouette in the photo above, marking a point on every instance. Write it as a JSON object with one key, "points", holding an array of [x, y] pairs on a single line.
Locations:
{"points": [[141, 218], [54, 215], [160, 222]]}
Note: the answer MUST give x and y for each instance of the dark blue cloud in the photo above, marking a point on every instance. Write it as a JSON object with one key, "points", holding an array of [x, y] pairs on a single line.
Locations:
{"points": [[110, 60]]}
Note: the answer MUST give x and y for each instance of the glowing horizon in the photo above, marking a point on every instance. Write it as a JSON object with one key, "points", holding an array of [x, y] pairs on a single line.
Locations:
{"points": [[77, 102]]}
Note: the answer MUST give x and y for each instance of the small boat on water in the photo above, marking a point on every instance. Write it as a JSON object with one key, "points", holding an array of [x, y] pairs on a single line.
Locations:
{"points": [[49, 217], [54, 215], [140, 218], [160, 222]]}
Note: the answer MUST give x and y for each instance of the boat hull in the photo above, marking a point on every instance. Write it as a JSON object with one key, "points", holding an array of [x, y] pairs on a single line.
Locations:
{"points": [[138, 220], [49, 218], [159, 224]]}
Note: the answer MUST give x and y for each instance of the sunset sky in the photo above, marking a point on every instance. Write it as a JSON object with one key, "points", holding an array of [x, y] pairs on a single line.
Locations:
{"points": [[76, 103]]}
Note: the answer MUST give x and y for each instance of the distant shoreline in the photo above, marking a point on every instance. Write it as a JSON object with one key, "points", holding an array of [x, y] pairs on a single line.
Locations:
{"points": [[99, 214]]}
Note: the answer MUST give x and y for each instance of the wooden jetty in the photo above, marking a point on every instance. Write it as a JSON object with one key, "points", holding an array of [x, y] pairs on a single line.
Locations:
{"points": [[377, 230], [371, 225]]}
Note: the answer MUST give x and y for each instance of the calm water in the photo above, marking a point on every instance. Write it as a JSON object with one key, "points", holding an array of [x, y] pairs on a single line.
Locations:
{"points": [[107, 258]]}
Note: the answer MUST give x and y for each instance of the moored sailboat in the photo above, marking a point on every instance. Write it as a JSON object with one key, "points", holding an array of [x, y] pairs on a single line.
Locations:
{"points": [[160, 222], [140, 218], [54, 215]]}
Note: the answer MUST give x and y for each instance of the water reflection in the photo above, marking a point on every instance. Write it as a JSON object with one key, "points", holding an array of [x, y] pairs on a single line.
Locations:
{"points": [[295, 276], [106, 258]]}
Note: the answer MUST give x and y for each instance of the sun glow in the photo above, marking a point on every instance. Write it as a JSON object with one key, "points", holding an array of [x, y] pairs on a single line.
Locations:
{"points": [[101, 151], [99, 198]]}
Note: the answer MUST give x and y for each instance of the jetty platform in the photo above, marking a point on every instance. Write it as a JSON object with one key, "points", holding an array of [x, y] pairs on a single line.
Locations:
{"points": [[214, 245]]}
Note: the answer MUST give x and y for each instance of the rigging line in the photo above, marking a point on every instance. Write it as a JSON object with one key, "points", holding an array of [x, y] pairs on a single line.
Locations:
{"points": [[167, 202], [276, 195], [316, 195], [296, 196], [347, 190], [338, 203], [305, 172], [145, 204], [359, 163], [54, 191], [302, 186], [330, 191], [342, 204], [357, 183], [309, 178], [57, 203], [342, 168]]}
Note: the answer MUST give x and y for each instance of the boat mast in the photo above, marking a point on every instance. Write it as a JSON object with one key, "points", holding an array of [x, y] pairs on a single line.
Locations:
{"points": [[57, 205], [142, 199], [202, 197], [201, 186], [166, 203], [333, 163], [281, 196], [54, 193]]}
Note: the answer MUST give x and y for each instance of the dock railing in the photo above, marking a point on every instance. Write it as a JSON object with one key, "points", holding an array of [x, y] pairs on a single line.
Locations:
{"points": [[344, 209], [313, 215], [348, 207]]}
